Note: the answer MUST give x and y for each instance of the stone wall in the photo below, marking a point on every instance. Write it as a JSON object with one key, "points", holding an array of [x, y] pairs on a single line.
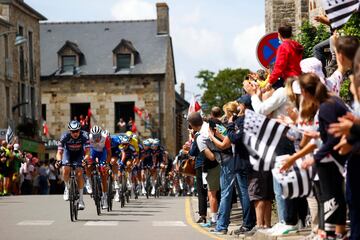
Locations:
{"points": [[19, 16], [277, 12], [101, 93], [289, 11]]}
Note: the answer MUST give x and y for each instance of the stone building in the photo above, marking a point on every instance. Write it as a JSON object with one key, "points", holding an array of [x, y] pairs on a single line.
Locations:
{"points": [[20, 72], [290, 11], [110, 67]]}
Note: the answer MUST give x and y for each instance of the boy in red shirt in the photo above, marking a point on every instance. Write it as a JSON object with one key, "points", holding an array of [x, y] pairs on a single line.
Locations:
{"points": [[288, 56]]}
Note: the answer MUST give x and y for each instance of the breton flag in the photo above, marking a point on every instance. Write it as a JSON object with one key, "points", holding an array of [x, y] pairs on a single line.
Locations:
{"points": [[296, 182], [340, 11], [9, 138], [261, 138]]}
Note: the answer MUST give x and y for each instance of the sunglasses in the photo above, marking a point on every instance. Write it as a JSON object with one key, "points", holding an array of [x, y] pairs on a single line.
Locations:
{"points": [[76, 131]]}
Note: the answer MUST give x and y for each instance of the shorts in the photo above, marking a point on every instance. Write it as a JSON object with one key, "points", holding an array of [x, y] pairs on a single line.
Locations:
{"points": [[213, 178], [75, 159], [147, 164], [260, 186], [101, 156]]}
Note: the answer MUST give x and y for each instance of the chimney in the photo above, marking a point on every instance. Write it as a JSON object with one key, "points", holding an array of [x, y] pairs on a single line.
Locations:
{"points": [[162, 10], [182, 89]]}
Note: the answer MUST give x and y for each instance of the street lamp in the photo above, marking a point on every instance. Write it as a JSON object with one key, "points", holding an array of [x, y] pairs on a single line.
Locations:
{"points": [[18, 40]]}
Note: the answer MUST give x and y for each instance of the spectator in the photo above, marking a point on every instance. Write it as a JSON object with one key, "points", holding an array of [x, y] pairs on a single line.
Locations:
{"points": [[44, 173], [234, 170], [122, 126], [288, 56], [130, 124], [52, 176], [27, 172]]}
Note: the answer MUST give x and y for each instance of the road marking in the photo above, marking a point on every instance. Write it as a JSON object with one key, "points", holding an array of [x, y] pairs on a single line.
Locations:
{"points": [[168, 224], [101, 223], [190, 221], [36, 223]]}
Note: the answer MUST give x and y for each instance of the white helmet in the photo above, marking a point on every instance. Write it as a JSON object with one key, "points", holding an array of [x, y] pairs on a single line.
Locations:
{"points": [[96, 130]]}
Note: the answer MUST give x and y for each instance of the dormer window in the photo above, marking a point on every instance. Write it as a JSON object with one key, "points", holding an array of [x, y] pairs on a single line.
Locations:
{"points": [[125, 56], [68, 63], [123, 61], [70, 58]]}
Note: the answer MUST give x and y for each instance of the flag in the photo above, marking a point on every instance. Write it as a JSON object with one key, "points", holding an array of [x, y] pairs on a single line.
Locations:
{"points": [[194, 105], [339, 11], [45, 129], [89, 113], [9, 138], [138, 111], [296, 182], [261, 137]]}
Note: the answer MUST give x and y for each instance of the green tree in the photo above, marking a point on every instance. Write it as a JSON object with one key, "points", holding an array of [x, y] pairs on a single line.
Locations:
{"points": [[310, 35], [223, 87], [352, 27]]}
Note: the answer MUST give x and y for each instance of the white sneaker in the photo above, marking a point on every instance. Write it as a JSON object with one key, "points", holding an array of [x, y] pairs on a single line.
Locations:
{"points": [[143, 191], [273, 229], [117, 197], [285, 229], [105, 203], [153, 191], [116, 185], [81, 205], [88, 187], [66, 194]]}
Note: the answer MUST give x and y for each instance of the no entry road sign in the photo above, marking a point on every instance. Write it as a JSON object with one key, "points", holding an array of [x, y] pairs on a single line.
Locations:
{"points": [[266, 49]]}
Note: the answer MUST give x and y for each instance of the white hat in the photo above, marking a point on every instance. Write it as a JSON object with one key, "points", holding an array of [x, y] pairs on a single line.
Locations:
{"points": [[16, 146], [296, 87], [312, 65]]}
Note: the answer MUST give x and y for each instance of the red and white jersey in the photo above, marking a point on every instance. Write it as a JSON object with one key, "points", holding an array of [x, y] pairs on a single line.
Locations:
{"points": [[103, 144]]}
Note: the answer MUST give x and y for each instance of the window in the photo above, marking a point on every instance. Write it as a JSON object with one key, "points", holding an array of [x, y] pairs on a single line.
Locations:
{"points": [[23, 100], [7, 89], [33, 103], [43, 111], [22, 64], [68, 63], [123, 61], [31, 56]]}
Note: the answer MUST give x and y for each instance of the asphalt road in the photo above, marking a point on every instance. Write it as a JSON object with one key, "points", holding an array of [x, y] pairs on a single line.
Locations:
{"points": [[47, 217]]}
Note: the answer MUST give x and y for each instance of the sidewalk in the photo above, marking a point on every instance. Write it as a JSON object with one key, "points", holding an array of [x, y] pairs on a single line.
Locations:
{"points": [[236, 220]]}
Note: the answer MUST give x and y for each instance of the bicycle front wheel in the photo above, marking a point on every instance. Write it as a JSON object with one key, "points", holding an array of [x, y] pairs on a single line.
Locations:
{"points": [[110, 193]]}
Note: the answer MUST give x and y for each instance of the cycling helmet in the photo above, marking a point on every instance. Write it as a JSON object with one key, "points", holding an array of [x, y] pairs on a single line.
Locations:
{"points": [[96, 130], [125, 140], [106, 132], [147, 143], [129, 134], [74, 125], [156, 142]]}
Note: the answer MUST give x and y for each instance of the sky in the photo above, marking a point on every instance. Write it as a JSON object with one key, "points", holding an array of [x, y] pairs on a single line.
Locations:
{"points": [[207, 34]]}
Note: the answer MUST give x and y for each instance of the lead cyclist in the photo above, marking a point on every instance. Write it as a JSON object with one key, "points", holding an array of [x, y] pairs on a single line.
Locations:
{"points": [[73, 148]]}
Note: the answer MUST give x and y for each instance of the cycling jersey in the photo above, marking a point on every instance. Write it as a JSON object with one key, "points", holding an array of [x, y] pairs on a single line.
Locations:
{"points": [[73, 149], [98, 149], [158, 155], [103, 144], [147, 158], [115, 145]]}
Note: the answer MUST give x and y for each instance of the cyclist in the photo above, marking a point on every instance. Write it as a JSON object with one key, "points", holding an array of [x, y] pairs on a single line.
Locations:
{"points": [[128, 159], [100, 149], [73, 148], [115, 153], [158, 160], [147, 164]]}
